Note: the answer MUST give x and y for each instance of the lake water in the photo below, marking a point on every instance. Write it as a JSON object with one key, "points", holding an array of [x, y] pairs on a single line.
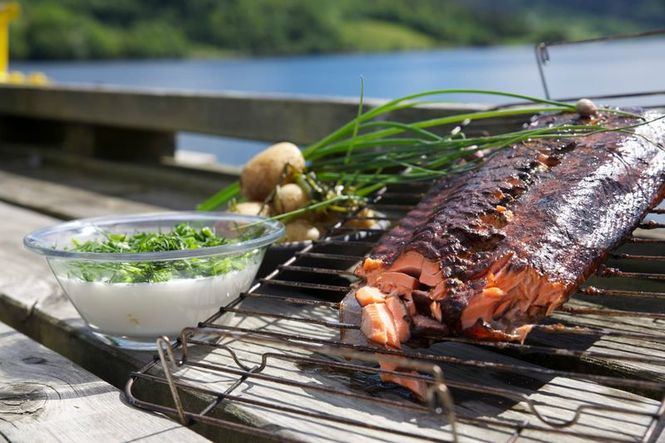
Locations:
{"points": [[582, 70]]}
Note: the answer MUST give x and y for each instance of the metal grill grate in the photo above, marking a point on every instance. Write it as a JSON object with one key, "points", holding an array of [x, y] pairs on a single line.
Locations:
{"points": [[271, 364]]}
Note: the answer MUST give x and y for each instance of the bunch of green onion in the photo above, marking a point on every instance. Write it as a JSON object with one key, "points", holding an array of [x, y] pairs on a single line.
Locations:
{"points": [[371, 151]]}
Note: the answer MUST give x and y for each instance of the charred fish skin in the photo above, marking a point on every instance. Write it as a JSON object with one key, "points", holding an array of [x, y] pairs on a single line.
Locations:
{"points": [[578, 211], [488, 253], [394, 241]]}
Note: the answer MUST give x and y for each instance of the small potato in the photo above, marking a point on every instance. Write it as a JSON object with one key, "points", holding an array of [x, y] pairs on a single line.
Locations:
{"points": [[289, 198], [263, 172], [301, 230], [360, 222], [251, 208]]}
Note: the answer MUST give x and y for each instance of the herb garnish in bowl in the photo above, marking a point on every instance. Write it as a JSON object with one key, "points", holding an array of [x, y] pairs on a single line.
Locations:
{"points": [[182, 237]]}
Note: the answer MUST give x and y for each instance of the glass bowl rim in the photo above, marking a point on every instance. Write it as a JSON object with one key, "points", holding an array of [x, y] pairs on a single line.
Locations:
{"points": [[35, 240]]}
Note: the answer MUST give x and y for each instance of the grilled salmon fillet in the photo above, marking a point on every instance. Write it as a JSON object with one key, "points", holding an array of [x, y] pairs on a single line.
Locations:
{"points": [[489, 253]]}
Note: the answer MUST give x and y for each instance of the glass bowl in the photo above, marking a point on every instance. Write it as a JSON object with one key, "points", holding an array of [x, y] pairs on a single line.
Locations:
{"points": [[130, 299]]}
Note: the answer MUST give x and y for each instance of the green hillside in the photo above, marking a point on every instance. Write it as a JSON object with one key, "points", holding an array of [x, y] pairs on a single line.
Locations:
{"points": [[101, 29]]}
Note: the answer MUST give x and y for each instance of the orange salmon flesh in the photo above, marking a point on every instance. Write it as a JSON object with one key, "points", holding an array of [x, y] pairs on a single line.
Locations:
{"points": [[505, 296]]}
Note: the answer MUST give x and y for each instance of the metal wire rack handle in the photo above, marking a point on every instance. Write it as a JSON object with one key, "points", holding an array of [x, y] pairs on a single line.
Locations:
{"points": [[163, 343], [543, 55]]}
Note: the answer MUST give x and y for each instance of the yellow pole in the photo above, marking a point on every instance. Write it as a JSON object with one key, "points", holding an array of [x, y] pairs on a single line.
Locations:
{"points": [[8, 12]]}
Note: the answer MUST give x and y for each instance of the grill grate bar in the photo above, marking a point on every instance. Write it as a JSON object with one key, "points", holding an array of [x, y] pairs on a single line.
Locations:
{"points": [[374, 218], [611, 312], [651, 224], [389, 207], [340, 257], [656, 424], [499, 345], [329, 324], [315, 270], [294, 300], [552, 329], [318, 387], [366, 244], [200, 418], [605, 271], [645, 240], [304, 285], [559, 328], [638, 257], [415, 196], [353, 230], [592, 290], [545, 350], [326, 349]]}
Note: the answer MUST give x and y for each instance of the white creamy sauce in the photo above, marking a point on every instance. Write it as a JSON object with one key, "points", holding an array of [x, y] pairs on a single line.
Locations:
{"points": [[149, 310]]}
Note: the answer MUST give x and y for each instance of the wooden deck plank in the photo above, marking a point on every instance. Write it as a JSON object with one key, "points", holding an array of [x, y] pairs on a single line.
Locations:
{"points": [[64, 202], [102, 184], [45, 397], [275, 117]]}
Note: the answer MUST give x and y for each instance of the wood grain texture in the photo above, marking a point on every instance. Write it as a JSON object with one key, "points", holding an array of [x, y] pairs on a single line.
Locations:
{"points": [[150, 186], [64, 202], [45, 397], [268, 117]]}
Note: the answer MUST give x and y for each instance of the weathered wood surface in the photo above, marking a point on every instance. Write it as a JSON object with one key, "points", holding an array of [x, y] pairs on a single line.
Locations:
{"points": [[66, 186], [559, 396], [300, 119], [64, 202], [45, 397]]}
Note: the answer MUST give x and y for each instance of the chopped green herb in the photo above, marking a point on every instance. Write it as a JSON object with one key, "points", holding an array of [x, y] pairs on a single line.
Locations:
{"points": [[182, 237]]}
